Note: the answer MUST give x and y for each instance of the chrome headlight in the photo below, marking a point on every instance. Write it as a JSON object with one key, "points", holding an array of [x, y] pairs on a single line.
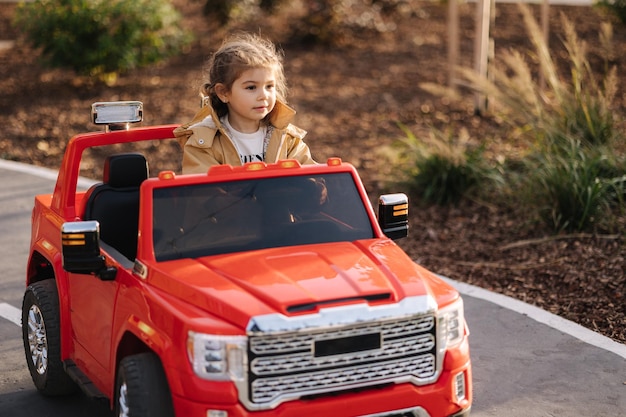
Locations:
{"points": [[217, 357], [451, 324]]}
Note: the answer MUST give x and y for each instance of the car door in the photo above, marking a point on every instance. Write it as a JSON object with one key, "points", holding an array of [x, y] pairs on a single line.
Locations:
{"points": [[92, 302]]}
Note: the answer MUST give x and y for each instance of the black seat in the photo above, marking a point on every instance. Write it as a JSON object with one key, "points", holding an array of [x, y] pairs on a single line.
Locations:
{"points": [[115, 202]]}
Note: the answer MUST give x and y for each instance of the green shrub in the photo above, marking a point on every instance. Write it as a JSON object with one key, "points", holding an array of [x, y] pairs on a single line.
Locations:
{"points": [[573, 172], [615, 7], [574, 188], [440, 169], [580, 107], [331, 21], [99, 37], [589, 121]]}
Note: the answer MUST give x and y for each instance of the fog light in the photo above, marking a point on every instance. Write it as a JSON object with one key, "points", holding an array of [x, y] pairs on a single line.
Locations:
{"points": [[216, 413], [459, 386]]}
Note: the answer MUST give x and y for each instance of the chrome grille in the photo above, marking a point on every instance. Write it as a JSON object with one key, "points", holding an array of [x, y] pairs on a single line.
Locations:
{"points": [[291, 342], [285, 365]]}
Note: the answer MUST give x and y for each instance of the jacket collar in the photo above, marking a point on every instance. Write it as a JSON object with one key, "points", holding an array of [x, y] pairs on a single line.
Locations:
{"points": [[280, 116]]}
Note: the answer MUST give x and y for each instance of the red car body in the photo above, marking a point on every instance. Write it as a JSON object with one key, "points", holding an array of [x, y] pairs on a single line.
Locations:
{"points": [[319, 326]]}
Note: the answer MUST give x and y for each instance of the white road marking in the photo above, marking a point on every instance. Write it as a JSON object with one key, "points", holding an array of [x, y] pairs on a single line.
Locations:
{"points": [[13, 314]]}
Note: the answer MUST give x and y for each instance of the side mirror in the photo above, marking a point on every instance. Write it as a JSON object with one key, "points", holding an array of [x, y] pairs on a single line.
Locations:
{"points": [[393, 215], [81, 250]]}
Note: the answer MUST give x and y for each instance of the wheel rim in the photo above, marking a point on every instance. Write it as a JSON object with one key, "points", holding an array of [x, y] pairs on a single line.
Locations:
{"points": [[37, 340], [123, 400]]}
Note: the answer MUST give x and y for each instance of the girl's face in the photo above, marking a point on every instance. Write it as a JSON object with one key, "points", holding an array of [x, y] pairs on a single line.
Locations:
{"points": [[250, 99]]}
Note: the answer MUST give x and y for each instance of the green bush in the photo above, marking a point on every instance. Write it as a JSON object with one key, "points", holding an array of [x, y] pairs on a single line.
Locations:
{"points": [[322, 22], [574, 187], [572, 170], [442, 168], [580, 107], [616, 7], [328, 22], [99, 37], [590, 121]]}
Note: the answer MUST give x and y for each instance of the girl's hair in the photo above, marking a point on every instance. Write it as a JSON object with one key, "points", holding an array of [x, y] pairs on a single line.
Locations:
{"points": [[238, 53]]}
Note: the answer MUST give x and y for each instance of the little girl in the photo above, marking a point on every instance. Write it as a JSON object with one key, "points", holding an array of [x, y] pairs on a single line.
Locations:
{"points": [[244, 115]]}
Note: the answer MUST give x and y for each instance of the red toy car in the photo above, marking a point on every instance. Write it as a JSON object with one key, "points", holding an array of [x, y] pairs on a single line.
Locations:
{"points": [[262, 290]]}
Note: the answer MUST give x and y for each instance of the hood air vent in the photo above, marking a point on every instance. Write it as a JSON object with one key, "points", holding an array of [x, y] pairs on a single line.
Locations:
{"points": [[299, 308]]}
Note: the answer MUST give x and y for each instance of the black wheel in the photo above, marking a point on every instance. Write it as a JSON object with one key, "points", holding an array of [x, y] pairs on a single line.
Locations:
{"points": [[41, 333], [141, 389]]}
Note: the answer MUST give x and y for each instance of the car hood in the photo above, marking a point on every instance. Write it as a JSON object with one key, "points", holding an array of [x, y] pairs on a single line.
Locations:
{"points": [[296, 280]]}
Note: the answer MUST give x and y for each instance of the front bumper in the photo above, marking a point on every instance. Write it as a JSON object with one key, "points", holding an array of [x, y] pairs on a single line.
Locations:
{"points": [[439, 399]]}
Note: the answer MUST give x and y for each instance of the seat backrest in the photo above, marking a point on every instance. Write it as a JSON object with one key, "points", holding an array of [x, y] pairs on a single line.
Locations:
{"points": [[115, 202]]}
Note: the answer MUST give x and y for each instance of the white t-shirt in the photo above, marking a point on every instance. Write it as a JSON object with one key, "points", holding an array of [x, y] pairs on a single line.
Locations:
{"points": [[251, 146]]}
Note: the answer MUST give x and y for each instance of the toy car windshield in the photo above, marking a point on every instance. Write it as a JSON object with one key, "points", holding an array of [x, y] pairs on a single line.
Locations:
{"points": [[217, 218]]}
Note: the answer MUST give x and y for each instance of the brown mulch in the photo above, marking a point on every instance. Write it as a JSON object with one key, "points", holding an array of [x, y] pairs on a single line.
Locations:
{"points": [[350, 97]]}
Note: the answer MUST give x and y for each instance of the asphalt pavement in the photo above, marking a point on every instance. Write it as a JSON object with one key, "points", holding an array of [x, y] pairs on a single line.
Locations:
{"points": [[526, 362]]}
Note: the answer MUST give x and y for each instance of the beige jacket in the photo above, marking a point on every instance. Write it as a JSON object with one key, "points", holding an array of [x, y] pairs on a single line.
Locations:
{"points": [[205, 142]]}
